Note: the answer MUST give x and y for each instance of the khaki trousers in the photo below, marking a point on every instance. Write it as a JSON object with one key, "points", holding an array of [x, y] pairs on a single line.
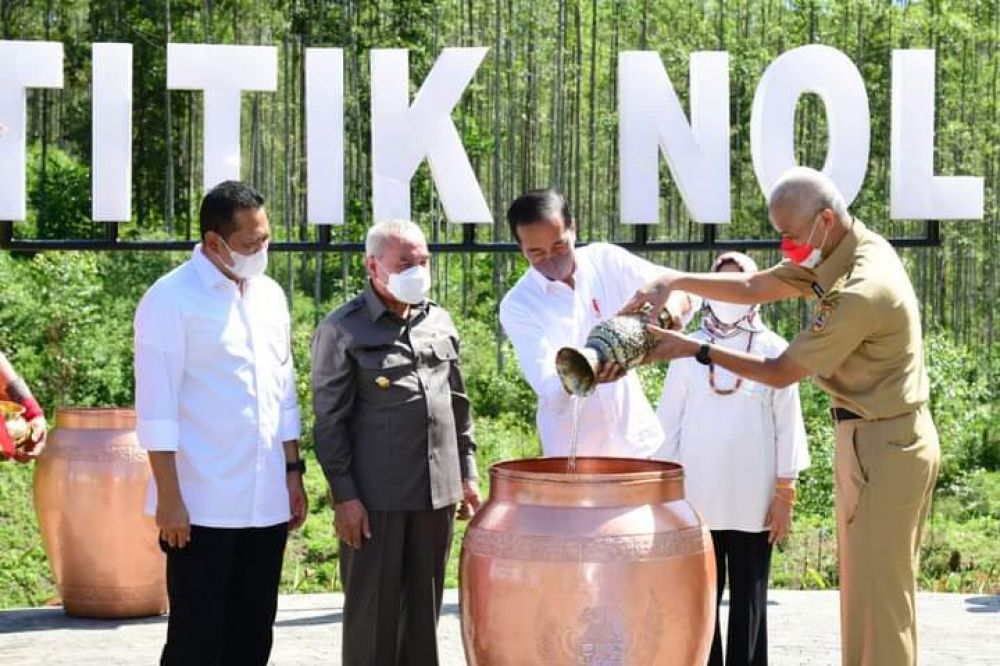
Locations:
{"points": [[884, 479]]}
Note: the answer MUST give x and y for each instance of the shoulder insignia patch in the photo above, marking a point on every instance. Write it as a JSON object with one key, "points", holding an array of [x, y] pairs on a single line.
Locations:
{"points": [[821, 316]]}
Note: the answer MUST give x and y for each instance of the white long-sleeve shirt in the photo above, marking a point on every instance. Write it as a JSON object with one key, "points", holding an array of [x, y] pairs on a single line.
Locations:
{"points": [[540, 316], [733, 447], [215, 383]]}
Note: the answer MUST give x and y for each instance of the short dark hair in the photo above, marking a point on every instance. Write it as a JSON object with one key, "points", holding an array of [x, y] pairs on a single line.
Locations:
{"points": [[220, 205], [535, 206]]}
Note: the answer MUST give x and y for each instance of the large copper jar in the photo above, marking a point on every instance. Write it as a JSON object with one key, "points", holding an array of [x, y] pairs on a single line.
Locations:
{"points": [[90, 486], [608, 565]]}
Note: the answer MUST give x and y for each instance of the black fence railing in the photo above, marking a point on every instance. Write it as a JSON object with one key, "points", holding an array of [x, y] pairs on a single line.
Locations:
{"points": [[469, 243]]}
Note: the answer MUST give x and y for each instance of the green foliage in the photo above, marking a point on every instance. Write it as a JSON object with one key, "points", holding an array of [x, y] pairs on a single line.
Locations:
{"points": [[24, 572], [67, 327], [59, 196], [67, 323], [808, 559], [311, 554], [541, 110], [816, 482], [49, 325], [965, 407], [651, 378], [495, 393], [504, 438], [81, 354], [974, 494], [961, 556]]}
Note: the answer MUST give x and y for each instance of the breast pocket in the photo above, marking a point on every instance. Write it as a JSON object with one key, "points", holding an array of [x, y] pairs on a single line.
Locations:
{"points": [[440, 350], [437, 357], [386, 377]]}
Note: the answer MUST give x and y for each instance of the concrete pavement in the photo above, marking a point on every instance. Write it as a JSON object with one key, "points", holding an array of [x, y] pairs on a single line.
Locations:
{"points": [[803, 629]]}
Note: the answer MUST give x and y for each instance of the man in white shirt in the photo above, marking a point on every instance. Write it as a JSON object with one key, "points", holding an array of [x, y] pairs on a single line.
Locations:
{"points": [[564, 293], [218, 414]]}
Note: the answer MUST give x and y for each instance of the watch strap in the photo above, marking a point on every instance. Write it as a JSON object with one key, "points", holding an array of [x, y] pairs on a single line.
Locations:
{"points": [[703, 354]]}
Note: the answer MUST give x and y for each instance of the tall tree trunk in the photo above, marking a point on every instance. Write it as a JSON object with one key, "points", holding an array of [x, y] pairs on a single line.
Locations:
{"points": [[592, 129], [168, 188]]}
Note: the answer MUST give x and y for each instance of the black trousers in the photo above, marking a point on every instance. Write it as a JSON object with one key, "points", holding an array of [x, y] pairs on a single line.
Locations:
{"points": [[223, 589], [745, 558], [393, 587]]}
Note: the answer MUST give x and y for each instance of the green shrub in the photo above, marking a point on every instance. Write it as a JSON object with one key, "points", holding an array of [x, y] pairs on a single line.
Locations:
{"points": [[25, 579], [67, 326], [965, 405]]}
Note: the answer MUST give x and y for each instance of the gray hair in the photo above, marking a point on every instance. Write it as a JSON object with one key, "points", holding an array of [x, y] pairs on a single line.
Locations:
{"points": [[380, 233], [807, 191]]}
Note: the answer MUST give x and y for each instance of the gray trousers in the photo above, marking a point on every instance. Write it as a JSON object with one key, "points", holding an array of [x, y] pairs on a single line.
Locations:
{"points": [[393, 587]]}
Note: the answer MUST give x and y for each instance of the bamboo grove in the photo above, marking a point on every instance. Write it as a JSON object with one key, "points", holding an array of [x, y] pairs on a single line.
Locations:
{"points": [[541, 111]]}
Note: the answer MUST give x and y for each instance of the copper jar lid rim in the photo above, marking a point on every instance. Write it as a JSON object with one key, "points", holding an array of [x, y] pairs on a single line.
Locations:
{"points": [[612, 470], [95, 418]]}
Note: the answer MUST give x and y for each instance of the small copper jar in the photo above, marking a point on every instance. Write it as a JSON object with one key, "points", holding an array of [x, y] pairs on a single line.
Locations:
{"points": [[90, 486]]}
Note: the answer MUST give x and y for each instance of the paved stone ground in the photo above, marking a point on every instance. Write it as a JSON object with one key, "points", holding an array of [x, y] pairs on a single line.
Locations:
{"points": [[955, 629]]}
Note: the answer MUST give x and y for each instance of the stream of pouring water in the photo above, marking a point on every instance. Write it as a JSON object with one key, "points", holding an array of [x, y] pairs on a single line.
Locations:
{"points": [[574, 434]]}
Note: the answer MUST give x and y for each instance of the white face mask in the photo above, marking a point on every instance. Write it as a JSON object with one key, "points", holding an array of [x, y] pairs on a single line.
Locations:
{"points": [[410, 286], [728, 313], [246, 266]]}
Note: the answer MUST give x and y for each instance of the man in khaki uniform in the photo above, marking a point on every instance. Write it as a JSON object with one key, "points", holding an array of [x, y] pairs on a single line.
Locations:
{"points": [[864, 348]]}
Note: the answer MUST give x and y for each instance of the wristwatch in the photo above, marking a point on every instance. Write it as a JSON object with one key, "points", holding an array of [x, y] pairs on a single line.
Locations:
{"points": [[702, 355], [296, 466]]}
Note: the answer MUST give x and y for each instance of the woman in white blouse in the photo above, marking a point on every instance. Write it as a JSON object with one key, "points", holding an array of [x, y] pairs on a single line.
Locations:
{"points": [[742, 445]]}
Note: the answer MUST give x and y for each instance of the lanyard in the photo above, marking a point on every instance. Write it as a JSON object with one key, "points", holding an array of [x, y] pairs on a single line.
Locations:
{"points": [[711, 372]]}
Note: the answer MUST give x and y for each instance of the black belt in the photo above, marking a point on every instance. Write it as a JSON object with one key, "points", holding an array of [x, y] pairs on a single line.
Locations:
{"points": [[841, 414]]}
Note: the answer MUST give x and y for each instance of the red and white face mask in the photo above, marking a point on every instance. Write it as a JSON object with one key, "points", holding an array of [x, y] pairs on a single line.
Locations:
{"points": [[805, 254]]}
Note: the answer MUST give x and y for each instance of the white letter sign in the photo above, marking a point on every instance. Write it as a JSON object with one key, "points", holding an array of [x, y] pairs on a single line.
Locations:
{"points": [[831, 75], [111, 164], [222, 72], [651, 120], [325, 136], [404, 134], [915, 193], [22, 65]]}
